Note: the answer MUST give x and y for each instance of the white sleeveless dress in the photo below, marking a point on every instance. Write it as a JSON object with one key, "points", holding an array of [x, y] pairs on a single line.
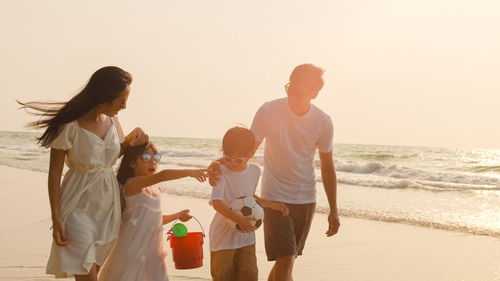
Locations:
{"points": [[138, 253], [90, 199]]}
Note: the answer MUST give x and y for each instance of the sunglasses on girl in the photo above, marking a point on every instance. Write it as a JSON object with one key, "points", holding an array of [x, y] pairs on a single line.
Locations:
{"points": [[147, 157], [235, 160]]}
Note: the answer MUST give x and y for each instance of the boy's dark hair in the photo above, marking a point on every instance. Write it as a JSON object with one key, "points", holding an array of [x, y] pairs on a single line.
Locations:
{"points": [[238, 140]]}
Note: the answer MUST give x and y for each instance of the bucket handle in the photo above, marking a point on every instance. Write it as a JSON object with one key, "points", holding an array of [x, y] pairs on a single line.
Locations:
{"points": [[170, 231]]}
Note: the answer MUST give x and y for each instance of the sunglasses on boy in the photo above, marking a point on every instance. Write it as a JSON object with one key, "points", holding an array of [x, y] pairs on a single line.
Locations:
{"points": [[147, 157], [228, 159]]}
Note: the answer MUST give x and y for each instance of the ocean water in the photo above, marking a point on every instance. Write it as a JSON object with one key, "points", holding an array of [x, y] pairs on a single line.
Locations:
{"points": [[445, 188]]}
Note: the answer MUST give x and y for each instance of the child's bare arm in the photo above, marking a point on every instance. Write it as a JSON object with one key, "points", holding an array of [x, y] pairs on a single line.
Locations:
{"points": [[278, 206], [244, 222], [182, 215], [135, 184]]}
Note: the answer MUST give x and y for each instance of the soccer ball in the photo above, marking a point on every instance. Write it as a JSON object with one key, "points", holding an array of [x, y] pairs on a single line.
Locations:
{"points": [[247, 206]]}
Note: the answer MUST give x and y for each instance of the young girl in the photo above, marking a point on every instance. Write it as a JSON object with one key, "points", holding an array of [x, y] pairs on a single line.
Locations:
{"points": [[138, 252]]}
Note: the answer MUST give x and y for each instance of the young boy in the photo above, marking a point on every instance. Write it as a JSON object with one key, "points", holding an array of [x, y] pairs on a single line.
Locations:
{"points": [[232, 252]]}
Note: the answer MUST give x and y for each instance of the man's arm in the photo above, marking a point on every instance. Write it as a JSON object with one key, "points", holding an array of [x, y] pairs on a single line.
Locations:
{"points": [[330, 184]]}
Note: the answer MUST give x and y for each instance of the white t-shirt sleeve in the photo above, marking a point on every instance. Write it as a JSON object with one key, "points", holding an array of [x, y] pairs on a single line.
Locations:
{"points": [[259, 124], [325, 141], [218, 190]]}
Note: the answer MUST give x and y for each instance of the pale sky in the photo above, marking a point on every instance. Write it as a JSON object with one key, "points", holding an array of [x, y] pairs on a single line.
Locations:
{"points": [[414, 72]]}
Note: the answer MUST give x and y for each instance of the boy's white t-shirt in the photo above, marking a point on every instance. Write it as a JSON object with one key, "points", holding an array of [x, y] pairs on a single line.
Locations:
{"points": [[290, 146], [231, 185]]}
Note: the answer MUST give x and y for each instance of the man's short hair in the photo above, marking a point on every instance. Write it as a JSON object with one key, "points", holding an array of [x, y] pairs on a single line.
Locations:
{"points": [[309, 75], [238, 140]]}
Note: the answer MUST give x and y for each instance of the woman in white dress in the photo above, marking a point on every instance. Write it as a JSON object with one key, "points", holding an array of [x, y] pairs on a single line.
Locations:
{"points": [[85, 207]]}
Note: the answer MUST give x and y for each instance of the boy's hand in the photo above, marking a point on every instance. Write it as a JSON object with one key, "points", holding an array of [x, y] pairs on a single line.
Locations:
{"points": [[246, 224], [200, 174], [278, 206], [214, 172], [184, 215]]}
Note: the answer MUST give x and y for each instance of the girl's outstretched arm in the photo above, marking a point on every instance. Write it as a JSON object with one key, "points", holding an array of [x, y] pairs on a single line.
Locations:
{"points": [[135, 184], [183, 215]]}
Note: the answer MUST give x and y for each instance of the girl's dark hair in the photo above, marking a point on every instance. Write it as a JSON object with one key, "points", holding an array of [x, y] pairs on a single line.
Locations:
{"points": [[130, 154], [104, 86], [238, 140]]}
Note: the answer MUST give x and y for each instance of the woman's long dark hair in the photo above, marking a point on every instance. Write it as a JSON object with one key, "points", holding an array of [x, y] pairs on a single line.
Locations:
{"points": [[104, 86]]}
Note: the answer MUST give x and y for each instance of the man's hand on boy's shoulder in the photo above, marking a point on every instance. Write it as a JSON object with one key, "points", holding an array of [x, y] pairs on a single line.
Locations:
{"points": [[214, 171]]}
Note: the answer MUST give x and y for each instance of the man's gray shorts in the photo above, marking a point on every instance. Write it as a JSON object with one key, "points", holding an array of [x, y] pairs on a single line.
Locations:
{"points": [[287, 235]]}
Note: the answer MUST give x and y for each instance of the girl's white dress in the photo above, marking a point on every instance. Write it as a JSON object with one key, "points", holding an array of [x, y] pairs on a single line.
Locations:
{"points": [[138, 253], [90, 199]]}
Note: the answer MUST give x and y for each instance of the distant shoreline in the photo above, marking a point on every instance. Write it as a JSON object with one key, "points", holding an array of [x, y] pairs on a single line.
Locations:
{"points": [[335, 143]]}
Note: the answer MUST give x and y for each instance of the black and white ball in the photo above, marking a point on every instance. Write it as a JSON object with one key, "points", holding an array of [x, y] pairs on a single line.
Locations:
{"points": [[247, 206]]}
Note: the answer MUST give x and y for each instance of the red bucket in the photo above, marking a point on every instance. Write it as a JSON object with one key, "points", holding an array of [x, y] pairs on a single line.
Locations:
{"points": [[187, 251]]}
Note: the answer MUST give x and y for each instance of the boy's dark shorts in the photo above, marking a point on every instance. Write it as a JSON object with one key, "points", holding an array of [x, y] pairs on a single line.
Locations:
{"points": [[287, 235]]}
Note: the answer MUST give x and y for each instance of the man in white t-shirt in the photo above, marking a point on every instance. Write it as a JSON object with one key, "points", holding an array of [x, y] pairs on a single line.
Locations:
{"points": [[293, 129]]}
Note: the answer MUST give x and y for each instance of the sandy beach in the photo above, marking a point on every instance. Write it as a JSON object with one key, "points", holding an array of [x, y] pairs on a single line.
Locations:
{"points": [[362, 250]]}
